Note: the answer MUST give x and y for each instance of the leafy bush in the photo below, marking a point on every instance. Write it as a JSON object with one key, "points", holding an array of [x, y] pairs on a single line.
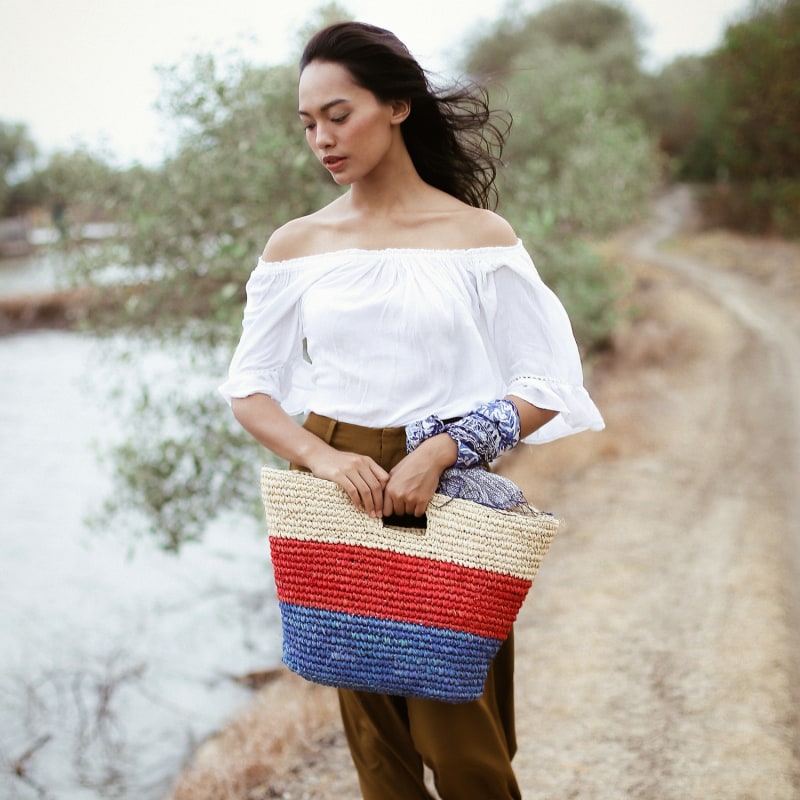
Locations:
{"points": [[17, 152], [183, 464], [756, 207], [580, 162], [196, 225], [732, 119]]}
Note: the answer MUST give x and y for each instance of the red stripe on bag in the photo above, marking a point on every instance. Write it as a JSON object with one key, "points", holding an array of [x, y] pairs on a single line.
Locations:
{"points": [[389, 585]]}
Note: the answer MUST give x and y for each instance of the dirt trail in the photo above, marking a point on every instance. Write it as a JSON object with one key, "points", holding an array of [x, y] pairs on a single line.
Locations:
{"points": [[659, 660], [656, 658]]}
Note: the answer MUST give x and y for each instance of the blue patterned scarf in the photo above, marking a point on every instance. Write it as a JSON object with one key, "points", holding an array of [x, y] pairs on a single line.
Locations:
{"points": [[481, 437]]}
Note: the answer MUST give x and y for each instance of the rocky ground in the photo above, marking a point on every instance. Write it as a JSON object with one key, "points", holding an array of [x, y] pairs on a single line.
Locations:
{"points": [[656, 654]]}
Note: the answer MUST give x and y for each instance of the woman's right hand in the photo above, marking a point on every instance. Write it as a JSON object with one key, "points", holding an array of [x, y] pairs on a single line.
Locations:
{"points": [[360, 476]]}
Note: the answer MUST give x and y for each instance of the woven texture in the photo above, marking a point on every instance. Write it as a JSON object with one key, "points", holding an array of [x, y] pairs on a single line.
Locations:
{"points": [[405, 611]]}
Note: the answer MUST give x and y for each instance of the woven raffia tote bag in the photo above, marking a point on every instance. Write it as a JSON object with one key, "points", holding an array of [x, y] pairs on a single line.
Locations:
{"points": [[417, 612]]}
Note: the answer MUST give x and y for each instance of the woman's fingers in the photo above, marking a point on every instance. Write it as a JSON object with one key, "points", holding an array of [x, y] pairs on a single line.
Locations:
{"points": [[398, 499], [362, 478], [416, 506], [391, 506], [413, 481], [367, 491]]}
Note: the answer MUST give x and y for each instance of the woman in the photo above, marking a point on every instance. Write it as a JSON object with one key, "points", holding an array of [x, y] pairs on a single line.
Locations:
{"points": [[414, 302]]}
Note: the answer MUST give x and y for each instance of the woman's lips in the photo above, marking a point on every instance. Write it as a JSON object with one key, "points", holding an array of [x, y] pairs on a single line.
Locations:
{"points": [[333, 163]]}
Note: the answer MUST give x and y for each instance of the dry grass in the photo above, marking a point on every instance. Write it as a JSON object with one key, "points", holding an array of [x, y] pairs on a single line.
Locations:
{"points": [[286, 719], [775, 262]]}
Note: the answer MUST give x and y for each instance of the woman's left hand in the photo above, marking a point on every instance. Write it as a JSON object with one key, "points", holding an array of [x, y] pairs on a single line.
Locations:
{"points": [[413, 481]]}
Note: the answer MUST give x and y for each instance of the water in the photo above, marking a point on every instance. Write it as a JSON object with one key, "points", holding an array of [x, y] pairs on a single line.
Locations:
{"points": [[115, 658], [30, 274]]}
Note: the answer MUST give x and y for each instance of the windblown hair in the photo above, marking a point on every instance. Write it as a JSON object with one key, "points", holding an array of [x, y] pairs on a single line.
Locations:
{"points": [[454, 138]]}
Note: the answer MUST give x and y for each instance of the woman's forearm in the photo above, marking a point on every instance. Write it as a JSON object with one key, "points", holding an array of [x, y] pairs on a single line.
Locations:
{"points": [[272, 427], [531, 417]]}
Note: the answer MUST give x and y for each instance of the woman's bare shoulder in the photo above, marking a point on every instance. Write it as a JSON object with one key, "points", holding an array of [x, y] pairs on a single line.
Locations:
{"points": [[290, 240], [305, 235], [489, 229], [456, 224]]}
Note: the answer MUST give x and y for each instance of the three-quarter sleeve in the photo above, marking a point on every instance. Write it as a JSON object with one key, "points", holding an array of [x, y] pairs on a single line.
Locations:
{"points": [[269, 357], [534, 345]]}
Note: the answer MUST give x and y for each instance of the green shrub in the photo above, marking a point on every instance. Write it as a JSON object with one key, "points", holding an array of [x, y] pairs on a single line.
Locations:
{"points": [[770, 207]]}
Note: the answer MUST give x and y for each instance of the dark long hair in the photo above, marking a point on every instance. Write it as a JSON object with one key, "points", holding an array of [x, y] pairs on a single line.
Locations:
{"points": [[453, 136]]}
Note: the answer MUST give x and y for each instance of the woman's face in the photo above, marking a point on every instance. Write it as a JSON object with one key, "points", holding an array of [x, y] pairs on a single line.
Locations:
{"points": [[349, 130]]}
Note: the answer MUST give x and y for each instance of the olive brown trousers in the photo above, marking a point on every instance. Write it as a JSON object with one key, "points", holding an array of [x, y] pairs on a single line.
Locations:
{"points": [[467, 746]]}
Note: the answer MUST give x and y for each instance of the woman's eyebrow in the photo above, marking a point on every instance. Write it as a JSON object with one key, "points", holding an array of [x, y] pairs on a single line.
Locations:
{"points": [[323, 108]]}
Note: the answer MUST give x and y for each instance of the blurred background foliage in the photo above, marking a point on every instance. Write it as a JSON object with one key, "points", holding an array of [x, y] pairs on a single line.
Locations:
{"points": [[729, 121], [594, 136]]}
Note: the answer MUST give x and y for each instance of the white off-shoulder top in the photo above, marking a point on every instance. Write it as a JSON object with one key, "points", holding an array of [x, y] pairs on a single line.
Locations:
{"points": [[385, 337]]}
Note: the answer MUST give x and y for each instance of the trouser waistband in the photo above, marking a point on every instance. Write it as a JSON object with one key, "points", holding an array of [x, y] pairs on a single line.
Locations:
{"points": [[387, 446], [327, 427]]}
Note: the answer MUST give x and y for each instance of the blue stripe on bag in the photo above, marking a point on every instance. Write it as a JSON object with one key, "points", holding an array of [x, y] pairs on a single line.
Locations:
{"points": [[378, 655]]}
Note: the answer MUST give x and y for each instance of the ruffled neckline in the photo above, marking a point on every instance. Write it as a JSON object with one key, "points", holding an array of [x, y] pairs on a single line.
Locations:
{"points": [[348, 253]]}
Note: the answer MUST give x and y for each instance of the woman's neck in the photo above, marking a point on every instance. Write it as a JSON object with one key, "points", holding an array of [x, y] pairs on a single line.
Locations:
{"points": [[390, 189]]}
